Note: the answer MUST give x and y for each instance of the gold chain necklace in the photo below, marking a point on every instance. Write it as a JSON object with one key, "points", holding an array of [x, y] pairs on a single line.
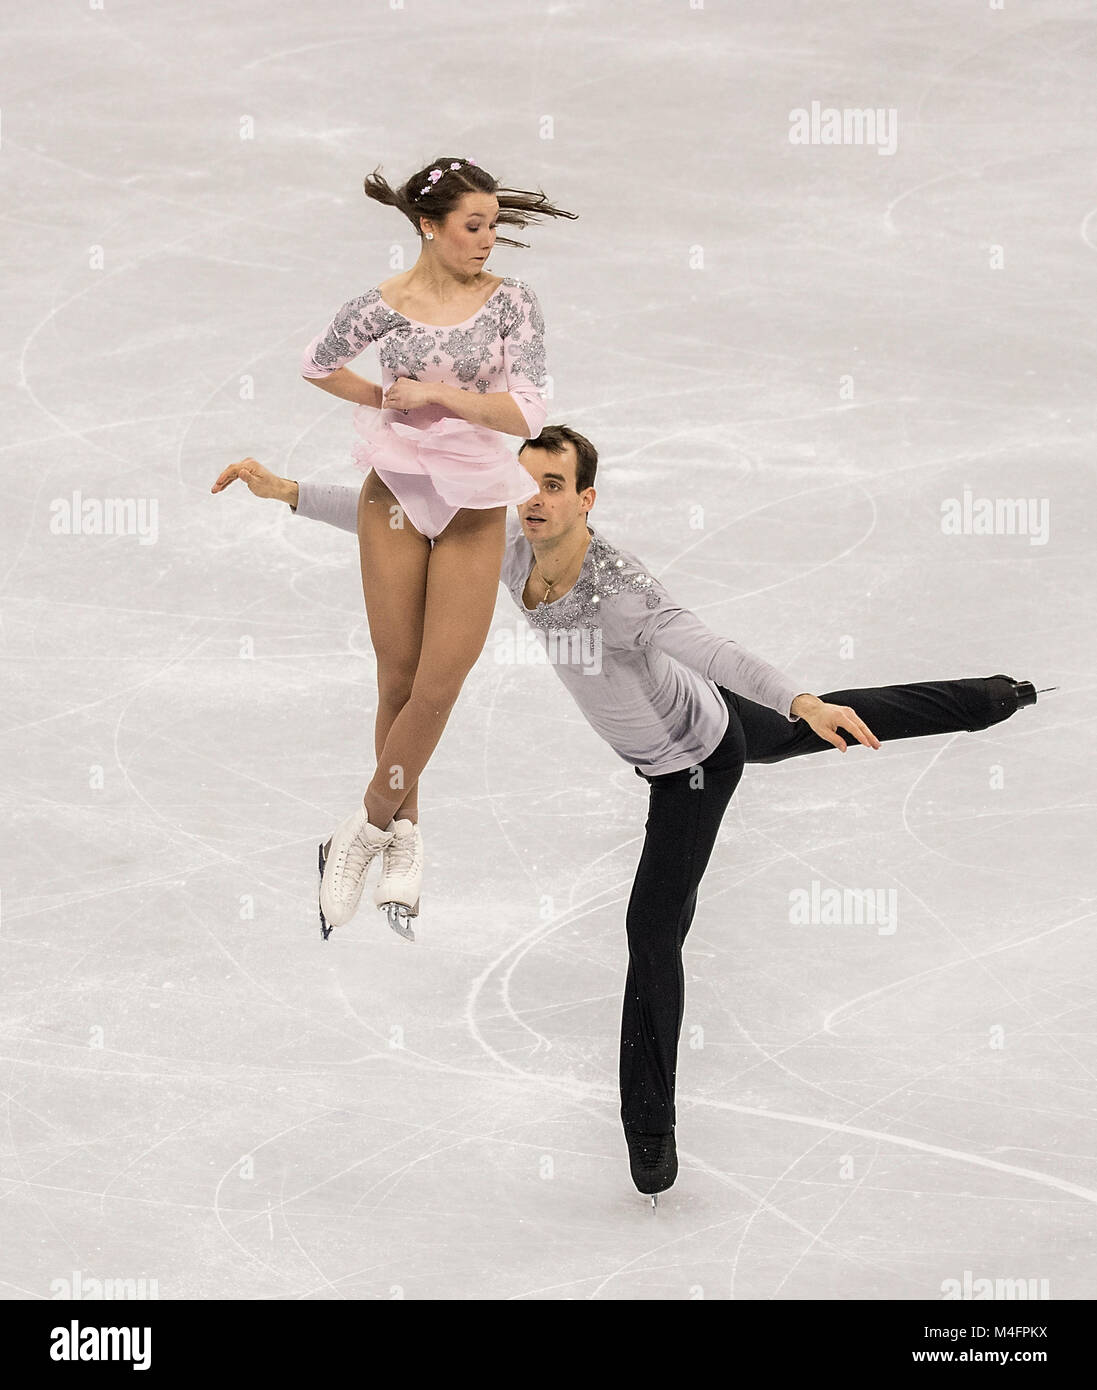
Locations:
{"points": [[549, 587]]}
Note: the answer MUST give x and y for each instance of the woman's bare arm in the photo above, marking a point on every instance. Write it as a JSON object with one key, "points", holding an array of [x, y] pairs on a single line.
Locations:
{"points": [[349, 386]]}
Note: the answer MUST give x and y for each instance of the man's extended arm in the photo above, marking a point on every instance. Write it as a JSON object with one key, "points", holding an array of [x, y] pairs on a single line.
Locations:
{"points": [[329, 502], [683, 636]]}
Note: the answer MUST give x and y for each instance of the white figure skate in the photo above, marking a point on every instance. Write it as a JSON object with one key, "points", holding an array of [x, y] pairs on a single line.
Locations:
{"points": [[344, 861], [401, 881]]}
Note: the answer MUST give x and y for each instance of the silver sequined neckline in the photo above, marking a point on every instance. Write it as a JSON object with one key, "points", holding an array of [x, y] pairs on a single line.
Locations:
{"points": [[445, 327], [604, 572]]}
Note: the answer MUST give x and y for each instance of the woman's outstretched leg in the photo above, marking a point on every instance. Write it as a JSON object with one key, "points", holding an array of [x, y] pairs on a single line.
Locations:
{"points": [[462, 578], [394, 560], [890, 711]]}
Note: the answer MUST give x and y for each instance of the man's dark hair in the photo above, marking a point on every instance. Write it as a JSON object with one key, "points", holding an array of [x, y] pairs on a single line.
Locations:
{"points": [[554, 437]]}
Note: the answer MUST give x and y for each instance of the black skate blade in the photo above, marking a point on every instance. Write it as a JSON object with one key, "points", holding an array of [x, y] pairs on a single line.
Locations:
{"points": [[325, 930]]}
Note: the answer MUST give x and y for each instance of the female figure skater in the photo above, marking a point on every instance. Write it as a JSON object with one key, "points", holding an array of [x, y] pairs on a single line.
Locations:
{"points": [[463, 363]]}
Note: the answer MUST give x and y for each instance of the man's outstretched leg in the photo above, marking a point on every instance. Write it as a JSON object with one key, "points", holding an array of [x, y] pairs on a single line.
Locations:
{"points": [[890, 711]]}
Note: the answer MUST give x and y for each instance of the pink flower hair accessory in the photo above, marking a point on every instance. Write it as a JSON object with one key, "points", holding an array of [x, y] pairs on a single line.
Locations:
{"points": [[436, 174]]}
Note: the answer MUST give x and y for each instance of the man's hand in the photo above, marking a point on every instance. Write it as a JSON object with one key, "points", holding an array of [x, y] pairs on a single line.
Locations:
{"points": [[826, 720], [261, 481]]}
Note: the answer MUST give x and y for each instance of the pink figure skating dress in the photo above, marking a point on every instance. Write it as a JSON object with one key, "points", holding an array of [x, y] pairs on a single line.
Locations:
{"points": [[433, 462]]}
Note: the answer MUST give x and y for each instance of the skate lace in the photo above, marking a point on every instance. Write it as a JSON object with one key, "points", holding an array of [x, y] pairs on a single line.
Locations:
{"points": [[402, 855], [357, 855]]}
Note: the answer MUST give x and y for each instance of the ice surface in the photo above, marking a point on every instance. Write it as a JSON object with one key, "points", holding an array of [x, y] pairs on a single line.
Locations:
{"points": [[201, 1092]]}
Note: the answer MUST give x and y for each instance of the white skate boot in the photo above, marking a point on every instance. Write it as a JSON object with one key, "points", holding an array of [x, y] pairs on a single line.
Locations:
{"points": [[344, 861], [397, 891]]}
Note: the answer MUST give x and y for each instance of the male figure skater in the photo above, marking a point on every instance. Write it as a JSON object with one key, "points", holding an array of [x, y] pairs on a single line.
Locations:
{"points": [[686, 707]]}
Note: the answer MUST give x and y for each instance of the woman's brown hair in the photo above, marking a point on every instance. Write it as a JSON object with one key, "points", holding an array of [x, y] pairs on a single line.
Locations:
{"points": [[517, 208]]}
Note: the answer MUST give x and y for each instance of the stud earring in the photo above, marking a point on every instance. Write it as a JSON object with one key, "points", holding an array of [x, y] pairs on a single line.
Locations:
{"points": [[430, 236]]}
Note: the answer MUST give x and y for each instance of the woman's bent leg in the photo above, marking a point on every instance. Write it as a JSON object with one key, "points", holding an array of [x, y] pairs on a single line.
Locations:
{"points": [[394, 559], [461, 583], [890, 711]]}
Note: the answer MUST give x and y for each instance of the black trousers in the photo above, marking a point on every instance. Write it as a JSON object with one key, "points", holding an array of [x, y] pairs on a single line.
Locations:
{"points": [[684, 814]]}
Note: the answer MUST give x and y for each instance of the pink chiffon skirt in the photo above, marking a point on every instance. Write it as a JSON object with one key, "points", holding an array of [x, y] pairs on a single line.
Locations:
{"points": [[435, 471]]}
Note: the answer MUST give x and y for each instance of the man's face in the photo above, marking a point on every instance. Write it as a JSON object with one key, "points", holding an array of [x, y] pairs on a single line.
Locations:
{"points": [[557, 507]]}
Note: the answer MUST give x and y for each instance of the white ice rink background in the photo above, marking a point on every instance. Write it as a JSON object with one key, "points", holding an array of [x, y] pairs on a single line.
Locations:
{"points": [[790, 357]]}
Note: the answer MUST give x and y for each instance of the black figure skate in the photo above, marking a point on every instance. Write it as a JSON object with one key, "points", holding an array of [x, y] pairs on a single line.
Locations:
{"points": [[653, 1159]]}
